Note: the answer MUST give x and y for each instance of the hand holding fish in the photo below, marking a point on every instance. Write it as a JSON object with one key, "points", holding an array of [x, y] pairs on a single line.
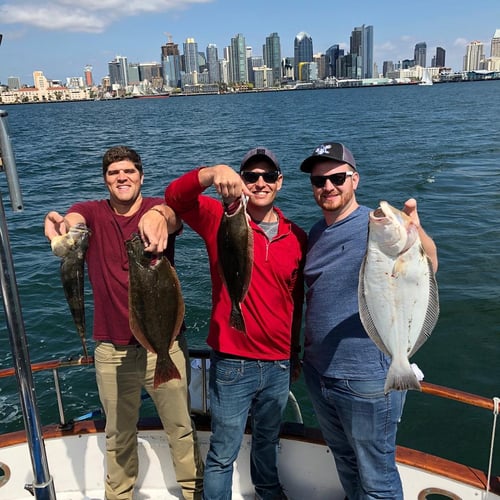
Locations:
{"points": [[226, 180], [155, 226]]}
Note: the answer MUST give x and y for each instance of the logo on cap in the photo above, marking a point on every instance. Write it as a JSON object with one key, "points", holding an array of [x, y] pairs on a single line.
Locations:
{"points": [[323, 149]]}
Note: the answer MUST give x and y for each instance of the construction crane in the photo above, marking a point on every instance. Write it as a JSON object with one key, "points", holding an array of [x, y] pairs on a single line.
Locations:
{"points": [[169, 35]]}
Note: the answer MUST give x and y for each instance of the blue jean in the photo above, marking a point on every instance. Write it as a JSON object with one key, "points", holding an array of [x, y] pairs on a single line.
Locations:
{"points": [[359, 424], [237, 387]]}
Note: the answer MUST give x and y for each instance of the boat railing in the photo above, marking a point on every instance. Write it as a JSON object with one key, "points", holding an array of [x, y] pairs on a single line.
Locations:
{"points": [[200, 403]]}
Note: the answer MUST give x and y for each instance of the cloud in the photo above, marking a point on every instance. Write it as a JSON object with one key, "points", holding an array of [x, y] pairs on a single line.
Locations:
{"points": [[460, 42], [90, 16]]}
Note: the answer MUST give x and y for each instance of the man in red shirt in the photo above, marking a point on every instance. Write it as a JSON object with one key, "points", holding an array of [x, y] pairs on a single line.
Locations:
{"points": [[249, 373]]}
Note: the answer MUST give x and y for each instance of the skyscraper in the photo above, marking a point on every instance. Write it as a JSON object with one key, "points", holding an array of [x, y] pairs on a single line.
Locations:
{"points": [[439, 60], [474, 56], [361, 45], [420, 54], [303, 51], [333, 53], [88, 76], [191, 56], [171, 64], [495, 44], [272, 57], [118, 71], [238, 60], [213, 63]]}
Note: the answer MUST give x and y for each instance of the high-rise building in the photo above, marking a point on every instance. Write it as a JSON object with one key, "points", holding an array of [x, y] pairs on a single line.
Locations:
{"points": [[272, 57], [171, 64], [118, 71], [474, 56], [238, 60], [213, 63], [420, 54], [333, 54], [87, 72], [387, 67], [495, 44], [191, 63], [303, 51], [438, 61], [361, 45], [321, 65]]}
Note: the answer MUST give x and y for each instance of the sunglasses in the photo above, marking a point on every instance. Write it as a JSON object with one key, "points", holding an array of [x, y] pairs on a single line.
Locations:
{"points": [[338, 179], [252, 177]]}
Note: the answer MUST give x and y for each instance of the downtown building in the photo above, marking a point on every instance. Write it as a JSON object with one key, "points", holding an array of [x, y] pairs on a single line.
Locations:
{"points": [[302, 53], [171, 64], [272, 58]]}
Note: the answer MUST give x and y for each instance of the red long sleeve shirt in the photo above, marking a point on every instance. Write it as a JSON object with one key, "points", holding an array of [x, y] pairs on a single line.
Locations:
{"points": [[276, 286]]}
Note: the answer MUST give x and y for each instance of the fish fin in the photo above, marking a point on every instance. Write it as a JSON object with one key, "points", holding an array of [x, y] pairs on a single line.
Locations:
{"points": [[236, 319], [401, 377], [365, 316], [432, 313], [165, 370]]}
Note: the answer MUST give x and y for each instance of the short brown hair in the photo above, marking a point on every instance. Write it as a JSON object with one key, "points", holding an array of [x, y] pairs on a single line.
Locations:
{"points": [[119, 153]]}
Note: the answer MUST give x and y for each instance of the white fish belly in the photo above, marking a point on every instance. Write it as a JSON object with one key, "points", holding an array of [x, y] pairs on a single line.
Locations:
{"points": [[394, 298]]}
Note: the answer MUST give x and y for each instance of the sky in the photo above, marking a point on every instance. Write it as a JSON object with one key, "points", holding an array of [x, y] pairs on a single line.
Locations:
{"points": [[61, 37]]}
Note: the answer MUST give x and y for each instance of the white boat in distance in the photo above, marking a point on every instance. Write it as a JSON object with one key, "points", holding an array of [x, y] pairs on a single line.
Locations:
{"points": [[75, 456], [426, 78]]}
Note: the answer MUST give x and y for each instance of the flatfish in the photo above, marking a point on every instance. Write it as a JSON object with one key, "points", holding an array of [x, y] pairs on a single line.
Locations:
{"points": [[235, 257], [71, 247], [156, 306], [398, 293]]}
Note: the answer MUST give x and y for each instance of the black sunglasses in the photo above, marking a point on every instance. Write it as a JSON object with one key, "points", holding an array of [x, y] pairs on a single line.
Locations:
{"points": [[338, 179], [251, 177]]}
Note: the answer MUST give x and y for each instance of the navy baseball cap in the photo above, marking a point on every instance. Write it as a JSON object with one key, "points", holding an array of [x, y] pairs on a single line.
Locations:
{"points": [[328, 151], [260, 154]]}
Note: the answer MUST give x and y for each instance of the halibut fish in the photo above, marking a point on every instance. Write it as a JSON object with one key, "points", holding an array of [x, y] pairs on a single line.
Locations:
{"points": [[235, 258], [156, 306], [71, 247], [398, 294]]}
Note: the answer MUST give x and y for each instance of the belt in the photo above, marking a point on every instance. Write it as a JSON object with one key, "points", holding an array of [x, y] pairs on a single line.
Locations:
{"points": [[236, 357], [120, 346]]}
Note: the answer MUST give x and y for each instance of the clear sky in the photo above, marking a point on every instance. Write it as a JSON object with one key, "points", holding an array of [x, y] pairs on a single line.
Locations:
{"points": [[60, 37]]}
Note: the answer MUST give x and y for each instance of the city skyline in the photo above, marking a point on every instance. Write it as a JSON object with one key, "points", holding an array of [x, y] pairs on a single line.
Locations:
{"points": [[61, 43]]}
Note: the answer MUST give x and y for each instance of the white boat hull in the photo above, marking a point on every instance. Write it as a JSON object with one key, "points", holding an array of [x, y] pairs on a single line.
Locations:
{"points": [[307, 471]]}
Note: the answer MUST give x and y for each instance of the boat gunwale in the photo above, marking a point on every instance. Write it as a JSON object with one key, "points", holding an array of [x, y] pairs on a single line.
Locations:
{"points": [[291, 431]]}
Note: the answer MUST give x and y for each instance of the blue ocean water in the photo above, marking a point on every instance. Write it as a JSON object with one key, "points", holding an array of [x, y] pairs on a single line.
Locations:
{"points": [[439, 144]]}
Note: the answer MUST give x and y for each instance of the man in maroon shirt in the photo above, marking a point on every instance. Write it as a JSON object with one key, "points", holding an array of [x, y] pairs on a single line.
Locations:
{"points": [[123, 367]]}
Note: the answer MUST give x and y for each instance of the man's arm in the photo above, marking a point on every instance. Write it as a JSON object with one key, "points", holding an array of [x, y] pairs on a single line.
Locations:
{"points": [[428, 244]]}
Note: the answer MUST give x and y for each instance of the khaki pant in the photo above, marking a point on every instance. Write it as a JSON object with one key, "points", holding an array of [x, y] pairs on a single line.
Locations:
{"points": [[121, 372]]}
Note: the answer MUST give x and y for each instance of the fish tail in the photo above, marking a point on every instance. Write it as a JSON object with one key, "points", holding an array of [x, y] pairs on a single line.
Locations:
{"points": [[165, 370], [236, 319], [401, 379]]}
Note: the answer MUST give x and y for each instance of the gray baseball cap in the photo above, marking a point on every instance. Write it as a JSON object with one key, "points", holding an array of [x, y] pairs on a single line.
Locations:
{"points": [[260, 154]]}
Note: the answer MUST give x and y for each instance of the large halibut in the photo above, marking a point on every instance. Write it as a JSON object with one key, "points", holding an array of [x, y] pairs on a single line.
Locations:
{"points": [[156, 306], [398, 294]]}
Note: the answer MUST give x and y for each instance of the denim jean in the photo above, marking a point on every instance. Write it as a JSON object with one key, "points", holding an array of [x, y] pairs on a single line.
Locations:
{"points": [[359, 424], [237, 387]]}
